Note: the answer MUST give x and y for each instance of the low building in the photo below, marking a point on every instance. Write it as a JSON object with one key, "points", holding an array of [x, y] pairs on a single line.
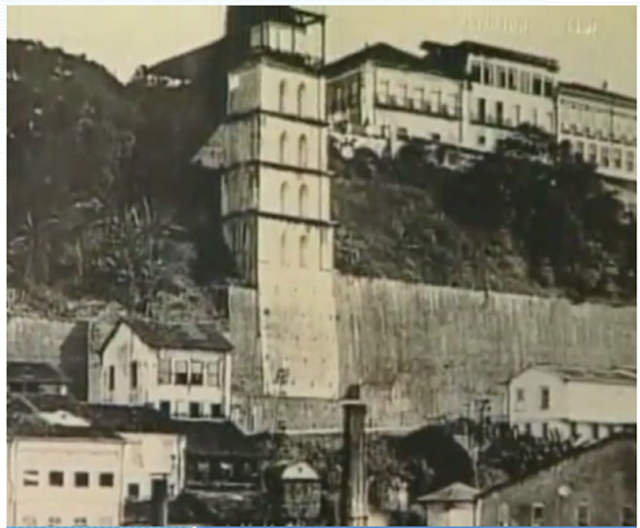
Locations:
{"points": [[61, 470], [31, 377], [595, 486], [182, 369], [586, 404]]}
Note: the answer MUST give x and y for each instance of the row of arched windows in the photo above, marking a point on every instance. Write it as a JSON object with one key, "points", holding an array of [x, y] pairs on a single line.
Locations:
{"points": [[301, 95], [303, 151], [303, 200]]}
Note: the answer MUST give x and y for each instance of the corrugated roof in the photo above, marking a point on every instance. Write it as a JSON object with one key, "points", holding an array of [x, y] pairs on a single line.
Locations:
{"points": [[32, 371], [185, 336]]}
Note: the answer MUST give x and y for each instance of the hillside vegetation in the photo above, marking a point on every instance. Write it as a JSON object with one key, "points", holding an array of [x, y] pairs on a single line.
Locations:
{"points": [[105, 204]]}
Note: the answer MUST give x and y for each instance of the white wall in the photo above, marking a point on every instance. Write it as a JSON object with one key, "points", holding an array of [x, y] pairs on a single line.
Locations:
{"points": [[601, 403], [150, 455], [529, 411], [43, 504]]}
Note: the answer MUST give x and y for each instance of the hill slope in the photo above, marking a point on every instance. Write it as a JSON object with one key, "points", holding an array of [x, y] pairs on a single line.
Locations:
{"points": [[104, 202]]}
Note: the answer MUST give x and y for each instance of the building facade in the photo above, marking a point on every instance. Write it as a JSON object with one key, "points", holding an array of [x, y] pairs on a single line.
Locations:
{"points": [[596, 486], [472, 95], [62, 471], [580, 403], [183, 370], [600, 127]]}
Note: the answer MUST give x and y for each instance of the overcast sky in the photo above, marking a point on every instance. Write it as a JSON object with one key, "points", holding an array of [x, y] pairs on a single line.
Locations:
{"points": [[593, 43]]}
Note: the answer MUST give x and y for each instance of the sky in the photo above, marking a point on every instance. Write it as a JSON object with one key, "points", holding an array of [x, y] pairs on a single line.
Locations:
{"points": [[594, 44]]}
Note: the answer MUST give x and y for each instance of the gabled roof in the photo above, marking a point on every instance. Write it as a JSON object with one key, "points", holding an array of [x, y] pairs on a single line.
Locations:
{"points": [[179, 336], [589, 375], [34, 372], [456, 492]]}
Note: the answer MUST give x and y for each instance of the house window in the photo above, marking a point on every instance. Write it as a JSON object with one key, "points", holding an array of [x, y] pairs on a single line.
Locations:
{"points": [[282, 96], [502, 77], [283, 197], [517, 115], [384, 91], [182, 376], [604, 157], [54, 521], [181, 408], [195, 410], [303, 200], [282, 151], [216, 410], [302, 152], [213, 374], [482, 140], [133, 491], [513, 79], [29, 520], [548, 87], [519, 395], [537, 85], [112, 378], [56, 479], [593, 154], [583, 515], [106, 480], [617, 158], [404, 94], [81, 479], [164, 372], [165, 408], [30, 478], [573, 430], [595, 431], [302, 91], [134, 374], [537, 515], [527, 429], [631, 164], [628, 516], [525, 82], [304, 242], [197, 373], [499, 112], [482, 110], [80, 521], [476, 72], [545, 398]]}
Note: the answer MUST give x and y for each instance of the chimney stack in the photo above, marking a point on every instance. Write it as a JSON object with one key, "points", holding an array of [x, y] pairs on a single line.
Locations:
{"points": [[353, 493], [159, 502]]}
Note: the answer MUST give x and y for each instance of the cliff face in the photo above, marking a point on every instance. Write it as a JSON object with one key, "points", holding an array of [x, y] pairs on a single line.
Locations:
{"points": [[423, 351]]}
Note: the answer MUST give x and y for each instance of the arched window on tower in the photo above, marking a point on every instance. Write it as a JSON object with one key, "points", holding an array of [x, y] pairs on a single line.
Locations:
{"points": [[304, 242], [283, 249], [302, 151], [284, 188], [302, 94], [282, 154], [303, 201], [282, 97]]}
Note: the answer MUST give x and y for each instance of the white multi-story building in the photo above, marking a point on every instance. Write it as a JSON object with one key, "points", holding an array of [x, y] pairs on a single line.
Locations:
{"points": [[62, 470], [182, 369], [600, 127], [585, 403]]}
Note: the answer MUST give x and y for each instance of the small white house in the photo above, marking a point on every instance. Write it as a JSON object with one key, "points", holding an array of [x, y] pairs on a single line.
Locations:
{"points": [[588, 404], [182, 369], [62, 471]]}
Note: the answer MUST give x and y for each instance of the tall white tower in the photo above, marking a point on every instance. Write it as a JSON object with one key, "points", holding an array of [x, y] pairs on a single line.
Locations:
{"points": [[276, 192]]}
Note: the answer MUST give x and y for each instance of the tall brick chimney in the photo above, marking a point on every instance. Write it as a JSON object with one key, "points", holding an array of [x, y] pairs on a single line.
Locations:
{"points": [[353, 492]]}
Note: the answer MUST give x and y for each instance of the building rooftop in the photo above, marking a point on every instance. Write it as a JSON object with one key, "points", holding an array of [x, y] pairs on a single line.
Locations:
{"points": [[25, 421], [34, 372], [181, 336], [598, 94], [488, 50], [381, 53], [616, 375], [456, 492], [206, 437]]}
